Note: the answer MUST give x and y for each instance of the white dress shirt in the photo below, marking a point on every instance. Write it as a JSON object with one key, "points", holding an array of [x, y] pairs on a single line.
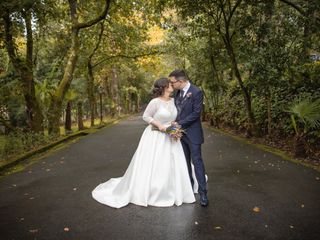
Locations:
{"points": [[186, 88]]}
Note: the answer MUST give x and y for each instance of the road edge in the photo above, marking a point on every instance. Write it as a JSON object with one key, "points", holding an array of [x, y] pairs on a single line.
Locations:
{"points": [[266, 148], [42, 150]]}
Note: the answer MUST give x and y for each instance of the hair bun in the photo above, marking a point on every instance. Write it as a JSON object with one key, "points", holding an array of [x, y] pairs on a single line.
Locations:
{"points": [[159, 86]]}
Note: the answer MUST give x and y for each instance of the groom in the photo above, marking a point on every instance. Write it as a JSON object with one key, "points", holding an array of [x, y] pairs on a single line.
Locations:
{"points": [[189, 100]]}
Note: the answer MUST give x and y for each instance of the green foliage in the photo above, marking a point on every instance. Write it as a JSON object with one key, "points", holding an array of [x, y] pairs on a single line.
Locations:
{"points": [[11, 100], [18, 143], [272, 43], [307, 113]]}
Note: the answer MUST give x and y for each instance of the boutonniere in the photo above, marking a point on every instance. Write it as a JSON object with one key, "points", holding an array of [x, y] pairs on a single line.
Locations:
{"points": [[189, 94]]}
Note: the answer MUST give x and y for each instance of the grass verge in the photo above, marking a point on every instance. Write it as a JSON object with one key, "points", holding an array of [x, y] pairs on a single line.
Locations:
{"points": [[19, 162]]}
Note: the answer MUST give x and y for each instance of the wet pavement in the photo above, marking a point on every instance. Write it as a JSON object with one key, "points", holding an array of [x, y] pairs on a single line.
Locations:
{"points": [[253, 195]]}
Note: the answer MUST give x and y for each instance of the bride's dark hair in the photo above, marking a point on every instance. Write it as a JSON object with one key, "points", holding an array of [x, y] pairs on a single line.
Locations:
{"points": [[159, 86]]}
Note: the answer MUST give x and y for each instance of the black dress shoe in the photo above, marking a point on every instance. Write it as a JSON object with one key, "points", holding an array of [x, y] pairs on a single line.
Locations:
{"points": [[204, 200]]}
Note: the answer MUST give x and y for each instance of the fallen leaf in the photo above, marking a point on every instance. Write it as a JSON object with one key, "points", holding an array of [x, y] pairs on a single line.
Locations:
{"points": [[33, 230], [256, 209], [66, 229]]}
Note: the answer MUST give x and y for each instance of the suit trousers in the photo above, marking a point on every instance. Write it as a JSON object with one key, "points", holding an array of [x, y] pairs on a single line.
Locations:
{"points": [[193, 153]]}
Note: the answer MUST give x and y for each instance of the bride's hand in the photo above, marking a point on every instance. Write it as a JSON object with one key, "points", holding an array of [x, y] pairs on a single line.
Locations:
{"points": [[162, 128]]}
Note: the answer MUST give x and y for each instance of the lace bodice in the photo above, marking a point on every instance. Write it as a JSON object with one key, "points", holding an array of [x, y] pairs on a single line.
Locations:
{"points": [[160, 110]]}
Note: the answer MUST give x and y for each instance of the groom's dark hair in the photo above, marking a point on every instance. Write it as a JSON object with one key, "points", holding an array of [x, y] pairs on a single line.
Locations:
{"points": [[179, 74]]}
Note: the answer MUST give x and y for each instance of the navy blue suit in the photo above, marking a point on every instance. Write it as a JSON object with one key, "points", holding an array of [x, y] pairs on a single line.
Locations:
{"points": [[189, 117]]}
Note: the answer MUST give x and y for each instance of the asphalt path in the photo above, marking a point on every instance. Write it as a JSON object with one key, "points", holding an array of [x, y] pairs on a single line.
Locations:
{"points": [[253, 195]]}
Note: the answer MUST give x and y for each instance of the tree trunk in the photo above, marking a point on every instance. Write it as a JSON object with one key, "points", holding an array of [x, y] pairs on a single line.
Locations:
{"points": [[215, 78], [80, 116], [307, 34], [54, 115], [227, 39], [269, 115], [90, 84], [129, 103], [114, 85], [247, 98], [68, 121], [90, 90], [215, 75], [56, 100], [25, 72], [299, 146], [33, 111], [107, 85], [115, 91], [101, 114]]}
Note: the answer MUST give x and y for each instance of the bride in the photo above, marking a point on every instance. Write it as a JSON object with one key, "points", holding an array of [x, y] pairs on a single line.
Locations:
{"points": [[157, 174]]}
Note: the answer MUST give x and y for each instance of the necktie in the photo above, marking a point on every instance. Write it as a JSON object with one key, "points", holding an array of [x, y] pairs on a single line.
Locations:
{"points": [[179, 102], [181, 94]]}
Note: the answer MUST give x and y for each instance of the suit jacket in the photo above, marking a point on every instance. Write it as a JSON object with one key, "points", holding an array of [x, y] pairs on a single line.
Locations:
{"points": [[189, 116]]}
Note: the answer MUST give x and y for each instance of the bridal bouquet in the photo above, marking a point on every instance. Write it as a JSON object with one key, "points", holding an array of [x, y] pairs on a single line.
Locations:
{"points": [[174, 131]]}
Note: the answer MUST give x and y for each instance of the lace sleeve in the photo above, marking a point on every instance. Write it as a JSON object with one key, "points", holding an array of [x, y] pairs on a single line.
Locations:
{"points": [[150, 111]]}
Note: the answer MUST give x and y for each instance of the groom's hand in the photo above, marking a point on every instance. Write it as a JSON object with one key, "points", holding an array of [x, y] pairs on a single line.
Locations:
{"points": [[174, 124]]}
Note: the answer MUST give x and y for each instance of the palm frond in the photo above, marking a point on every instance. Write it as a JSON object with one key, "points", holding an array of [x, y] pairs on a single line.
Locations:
{"points": [[307, 111]]}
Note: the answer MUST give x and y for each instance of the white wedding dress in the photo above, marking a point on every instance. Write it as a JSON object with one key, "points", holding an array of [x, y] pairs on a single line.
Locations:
{"points": [[157, 174]]}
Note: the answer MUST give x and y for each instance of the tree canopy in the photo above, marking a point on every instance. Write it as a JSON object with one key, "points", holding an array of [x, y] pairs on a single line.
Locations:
{"points": [[252, 59]]}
